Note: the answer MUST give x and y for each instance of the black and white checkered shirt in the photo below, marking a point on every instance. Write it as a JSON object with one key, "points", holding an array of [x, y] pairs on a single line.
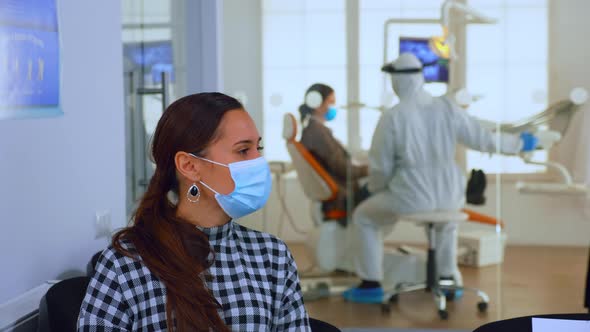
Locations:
{"points": [[254, 279]]}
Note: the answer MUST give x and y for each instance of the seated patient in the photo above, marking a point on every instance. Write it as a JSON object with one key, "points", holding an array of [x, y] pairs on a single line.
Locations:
{"points": [[319, 141], [184, 264]]}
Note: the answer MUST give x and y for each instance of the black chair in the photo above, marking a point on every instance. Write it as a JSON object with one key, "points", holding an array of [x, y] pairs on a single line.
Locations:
{"points": [[320, 326], [91, 266], [59, 308]]}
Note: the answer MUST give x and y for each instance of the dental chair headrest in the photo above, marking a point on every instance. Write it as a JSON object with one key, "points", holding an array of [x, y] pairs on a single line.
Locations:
{"points": [[289, 127]]}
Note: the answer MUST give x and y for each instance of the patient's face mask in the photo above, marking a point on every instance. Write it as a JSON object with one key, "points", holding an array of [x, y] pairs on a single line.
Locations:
{"points": [[331, 113], [253, 185]]}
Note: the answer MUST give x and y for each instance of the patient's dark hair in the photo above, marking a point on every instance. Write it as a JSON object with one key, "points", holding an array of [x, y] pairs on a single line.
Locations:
{"points": [[324, 90]]}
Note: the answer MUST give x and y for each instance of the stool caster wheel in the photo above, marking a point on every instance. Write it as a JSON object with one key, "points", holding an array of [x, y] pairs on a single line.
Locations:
{"points": [[482, 306], [394, 298], [443, 314], [385, 308]]}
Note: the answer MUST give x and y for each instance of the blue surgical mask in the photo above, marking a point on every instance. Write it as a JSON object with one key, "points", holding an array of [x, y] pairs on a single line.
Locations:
{"points": [[331, 114], [253, 184]]}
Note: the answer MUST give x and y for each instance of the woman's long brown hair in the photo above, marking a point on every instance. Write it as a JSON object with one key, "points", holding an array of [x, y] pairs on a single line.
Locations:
{"points": [[189, 124]]}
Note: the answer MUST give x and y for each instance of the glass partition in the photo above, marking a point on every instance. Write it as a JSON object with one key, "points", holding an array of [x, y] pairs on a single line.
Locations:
{"points": [[304, 45], [150, 70]]}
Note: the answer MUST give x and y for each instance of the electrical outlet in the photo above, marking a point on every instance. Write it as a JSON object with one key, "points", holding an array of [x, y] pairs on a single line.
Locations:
{"points": [[102, 224]]}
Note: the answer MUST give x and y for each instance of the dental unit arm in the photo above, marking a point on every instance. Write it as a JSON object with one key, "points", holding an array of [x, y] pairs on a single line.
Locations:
{"points": [[557, 118]]}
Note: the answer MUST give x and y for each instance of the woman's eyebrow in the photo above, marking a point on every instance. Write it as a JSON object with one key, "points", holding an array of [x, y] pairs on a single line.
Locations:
{"points": [[248, 141]]}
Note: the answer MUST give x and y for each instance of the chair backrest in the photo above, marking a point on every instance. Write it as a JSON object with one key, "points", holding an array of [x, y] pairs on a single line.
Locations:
{"points": [[91, 266], [59, 308], [317, 184], [321, 326]]}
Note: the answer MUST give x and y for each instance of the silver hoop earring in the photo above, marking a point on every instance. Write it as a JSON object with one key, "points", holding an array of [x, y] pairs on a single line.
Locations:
{"points": [[194, 194]]}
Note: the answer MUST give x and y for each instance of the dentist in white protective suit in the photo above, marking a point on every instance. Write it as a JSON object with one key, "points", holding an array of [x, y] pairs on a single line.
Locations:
{"points": [[412, 169]]}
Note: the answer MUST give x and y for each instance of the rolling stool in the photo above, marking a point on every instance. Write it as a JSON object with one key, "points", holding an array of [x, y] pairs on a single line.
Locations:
{"points": [[430, 220]]}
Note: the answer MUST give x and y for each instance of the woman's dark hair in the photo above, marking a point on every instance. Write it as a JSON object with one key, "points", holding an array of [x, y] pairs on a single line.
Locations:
{"points": [[324, 90], [189, 124]]}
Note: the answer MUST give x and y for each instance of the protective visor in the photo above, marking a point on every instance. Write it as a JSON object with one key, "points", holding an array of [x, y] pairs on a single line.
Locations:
{"points": [[389, 68]]}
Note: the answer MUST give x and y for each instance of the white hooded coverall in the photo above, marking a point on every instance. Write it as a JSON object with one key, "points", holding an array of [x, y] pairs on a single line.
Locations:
{"points": [[412, 169]]}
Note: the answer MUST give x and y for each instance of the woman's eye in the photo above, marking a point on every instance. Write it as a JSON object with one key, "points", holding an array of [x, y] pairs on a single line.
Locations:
{"points": [[243, 152], [260, 148]]}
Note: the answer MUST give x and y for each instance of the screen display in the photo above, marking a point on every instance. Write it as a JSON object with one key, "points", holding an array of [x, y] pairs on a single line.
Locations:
{"points": [[436, 69]]}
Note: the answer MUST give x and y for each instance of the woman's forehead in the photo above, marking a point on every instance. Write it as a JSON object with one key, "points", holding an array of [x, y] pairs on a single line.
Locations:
{"points": [[238, 126]]}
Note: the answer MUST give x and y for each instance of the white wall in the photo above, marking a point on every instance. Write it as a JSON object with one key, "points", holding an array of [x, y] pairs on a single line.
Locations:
{"points": [[56, 173], [529, 219], [202, 48], [196, 32], [242, 54]]}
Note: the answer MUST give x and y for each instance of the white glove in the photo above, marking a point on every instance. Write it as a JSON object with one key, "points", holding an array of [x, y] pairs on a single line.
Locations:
{"points": [[547, 138]]}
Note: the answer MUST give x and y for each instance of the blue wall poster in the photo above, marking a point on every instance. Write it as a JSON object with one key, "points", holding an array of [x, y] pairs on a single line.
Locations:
{"points": [[29, 59]]}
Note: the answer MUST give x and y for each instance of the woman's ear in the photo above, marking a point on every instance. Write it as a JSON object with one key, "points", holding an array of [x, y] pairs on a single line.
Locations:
{"points": [[188, 166]]}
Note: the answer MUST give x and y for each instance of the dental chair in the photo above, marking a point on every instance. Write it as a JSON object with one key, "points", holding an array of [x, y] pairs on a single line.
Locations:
{"points": [[328, 239]]}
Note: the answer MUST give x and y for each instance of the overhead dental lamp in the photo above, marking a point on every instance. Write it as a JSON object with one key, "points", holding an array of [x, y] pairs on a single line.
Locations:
{"points": [[444, 45]]}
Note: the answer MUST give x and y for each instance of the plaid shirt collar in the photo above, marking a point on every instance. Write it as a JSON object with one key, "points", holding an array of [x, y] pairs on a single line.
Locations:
{"points": [[218, 233], [215, 235]]}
